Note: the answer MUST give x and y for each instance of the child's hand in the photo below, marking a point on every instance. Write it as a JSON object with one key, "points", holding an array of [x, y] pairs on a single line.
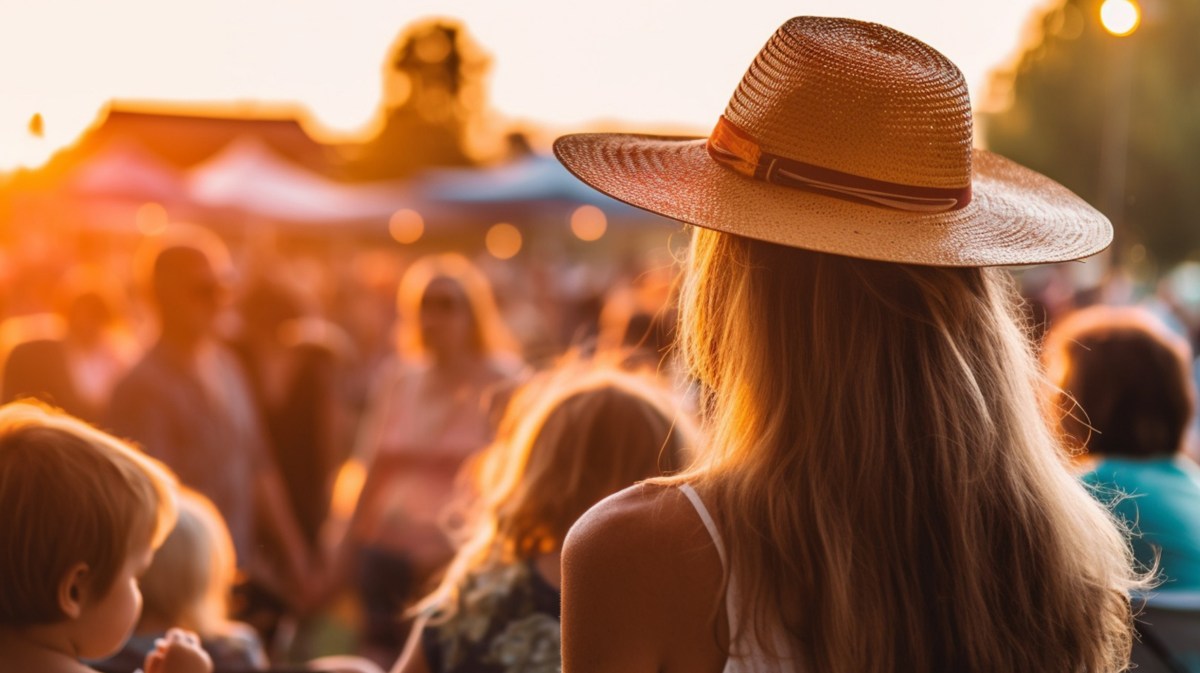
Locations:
{"points": [[179, 652]]}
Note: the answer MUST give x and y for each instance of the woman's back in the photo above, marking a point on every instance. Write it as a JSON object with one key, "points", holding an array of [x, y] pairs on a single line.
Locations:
{"points": [[653, 583], [879, 502]]}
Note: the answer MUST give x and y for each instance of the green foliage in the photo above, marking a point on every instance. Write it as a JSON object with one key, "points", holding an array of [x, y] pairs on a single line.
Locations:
{"points": [[1065, 94]]}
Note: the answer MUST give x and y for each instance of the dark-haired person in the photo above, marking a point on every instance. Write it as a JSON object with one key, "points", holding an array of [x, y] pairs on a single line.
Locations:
{"points": [[74, 368], [1126, 397], [187, 403]]}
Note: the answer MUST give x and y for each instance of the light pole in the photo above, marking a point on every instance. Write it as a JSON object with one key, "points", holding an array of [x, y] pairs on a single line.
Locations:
{"points": [[1120, 18]]}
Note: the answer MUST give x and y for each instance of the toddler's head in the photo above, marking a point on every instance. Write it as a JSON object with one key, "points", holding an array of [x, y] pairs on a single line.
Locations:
{"points": [[80, 515], [188, 584]]}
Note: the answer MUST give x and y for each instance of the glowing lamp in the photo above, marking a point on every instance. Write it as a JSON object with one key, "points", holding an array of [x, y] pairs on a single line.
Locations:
{"points": [[1120, 17]]}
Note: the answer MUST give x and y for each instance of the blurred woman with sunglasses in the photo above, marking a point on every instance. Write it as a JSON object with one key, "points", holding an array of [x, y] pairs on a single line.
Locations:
{"points": [[436, 405]]}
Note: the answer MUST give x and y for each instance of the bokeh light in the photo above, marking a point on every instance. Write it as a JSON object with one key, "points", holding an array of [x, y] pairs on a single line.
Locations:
{"points": [[588, 223], [503, 241], [406, 226], [1120, 17], [151, 218]]}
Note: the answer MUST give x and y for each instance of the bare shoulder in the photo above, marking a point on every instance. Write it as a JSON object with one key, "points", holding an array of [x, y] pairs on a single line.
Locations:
{"points": [[641, 516], [641, 569]]}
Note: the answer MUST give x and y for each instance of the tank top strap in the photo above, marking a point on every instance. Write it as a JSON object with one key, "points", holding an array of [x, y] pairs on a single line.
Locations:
{"points": [[709, 523], [746, 656]]}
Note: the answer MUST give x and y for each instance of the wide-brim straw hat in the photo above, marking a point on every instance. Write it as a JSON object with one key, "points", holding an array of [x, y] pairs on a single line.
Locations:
{"points": [[849, 138]]}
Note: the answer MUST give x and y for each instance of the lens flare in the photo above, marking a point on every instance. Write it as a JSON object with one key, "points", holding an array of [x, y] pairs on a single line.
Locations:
{"points": [[588, 223], [151, 218], [406, 226], [1120, 17], [503, 241]]}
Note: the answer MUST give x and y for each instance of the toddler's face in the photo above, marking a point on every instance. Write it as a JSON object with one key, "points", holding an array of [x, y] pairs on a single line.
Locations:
{"points": [[107, 621]]}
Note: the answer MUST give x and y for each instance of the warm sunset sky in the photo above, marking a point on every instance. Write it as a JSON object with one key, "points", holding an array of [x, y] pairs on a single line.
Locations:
{"points": [[563, 63]]}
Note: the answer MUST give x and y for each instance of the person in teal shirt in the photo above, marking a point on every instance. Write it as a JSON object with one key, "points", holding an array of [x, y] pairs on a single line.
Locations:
{"points": [[1125, 398]]}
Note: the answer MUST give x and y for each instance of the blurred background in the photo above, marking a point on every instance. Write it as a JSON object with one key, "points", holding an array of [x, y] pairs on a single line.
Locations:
{"points": [[326, 132], [331, 145]]}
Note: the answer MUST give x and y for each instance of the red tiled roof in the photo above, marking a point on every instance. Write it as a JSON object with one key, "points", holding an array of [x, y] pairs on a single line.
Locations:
{"points": [[184, 140]]}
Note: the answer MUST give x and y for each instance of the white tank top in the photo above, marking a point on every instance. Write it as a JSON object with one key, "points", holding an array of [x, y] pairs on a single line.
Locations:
{"points": [[745, 654]]}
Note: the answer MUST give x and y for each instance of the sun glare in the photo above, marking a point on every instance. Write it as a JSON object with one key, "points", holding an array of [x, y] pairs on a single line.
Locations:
{"points": [[63, 72], [1120, 17]]}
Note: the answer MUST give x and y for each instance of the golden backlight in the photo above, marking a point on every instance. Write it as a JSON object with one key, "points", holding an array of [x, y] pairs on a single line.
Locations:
{"points": [[1120, 17], [562, 65]]}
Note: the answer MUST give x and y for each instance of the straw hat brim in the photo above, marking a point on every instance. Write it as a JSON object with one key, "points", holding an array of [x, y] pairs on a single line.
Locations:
{"points": [[1016, 216]]}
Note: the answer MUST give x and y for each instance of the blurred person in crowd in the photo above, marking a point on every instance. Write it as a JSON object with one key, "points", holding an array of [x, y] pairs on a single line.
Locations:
{"points": [[878, 490], [289, 359], [1124, 395], [432, 407], [638, 322], [187, 403], [288, 355], [76, 368], [1176, 301], [525, 297], [189, 585], [81, 514], [364, 305], [568, 439]]}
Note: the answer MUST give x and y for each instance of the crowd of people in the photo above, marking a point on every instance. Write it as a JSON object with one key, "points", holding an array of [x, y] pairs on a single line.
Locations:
{"points": [[850, 450], [305, 482]]}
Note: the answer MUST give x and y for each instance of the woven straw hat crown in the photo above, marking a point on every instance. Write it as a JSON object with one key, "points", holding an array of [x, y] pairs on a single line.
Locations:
{"points": [[859, 98], [854, 139]]}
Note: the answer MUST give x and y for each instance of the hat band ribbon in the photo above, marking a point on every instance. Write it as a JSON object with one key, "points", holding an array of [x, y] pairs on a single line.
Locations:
{"points": [[736, 149]]}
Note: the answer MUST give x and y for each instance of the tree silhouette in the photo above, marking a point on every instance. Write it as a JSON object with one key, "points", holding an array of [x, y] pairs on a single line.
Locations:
{"points": [[433, 101], [1065, 118]]}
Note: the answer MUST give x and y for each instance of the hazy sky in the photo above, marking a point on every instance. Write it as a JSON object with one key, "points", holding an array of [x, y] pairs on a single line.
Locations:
{"points": [[563, 63]]}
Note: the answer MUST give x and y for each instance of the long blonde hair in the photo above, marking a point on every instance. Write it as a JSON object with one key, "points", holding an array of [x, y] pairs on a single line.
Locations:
{"points": [[888, 489], [568, 439]]}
